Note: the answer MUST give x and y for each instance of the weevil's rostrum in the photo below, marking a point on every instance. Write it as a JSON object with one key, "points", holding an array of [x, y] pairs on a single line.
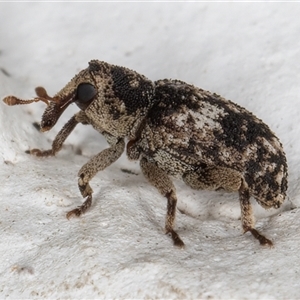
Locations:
{"points": [[175, 130]]}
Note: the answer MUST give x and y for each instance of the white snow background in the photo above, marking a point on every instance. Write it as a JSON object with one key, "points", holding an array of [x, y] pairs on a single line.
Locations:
{"points": [[246, 52]]}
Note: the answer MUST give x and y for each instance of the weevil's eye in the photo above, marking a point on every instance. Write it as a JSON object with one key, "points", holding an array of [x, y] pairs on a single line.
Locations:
{"points": [[85, 93]]}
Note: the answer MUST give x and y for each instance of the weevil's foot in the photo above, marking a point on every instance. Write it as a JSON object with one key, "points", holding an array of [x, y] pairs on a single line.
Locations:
{"points": [[40, 153], [262, 240], [77, 212], [175, 237]]}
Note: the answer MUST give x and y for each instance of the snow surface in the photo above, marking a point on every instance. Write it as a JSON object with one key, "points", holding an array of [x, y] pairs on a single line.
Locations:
{"points": [[246, 52]]}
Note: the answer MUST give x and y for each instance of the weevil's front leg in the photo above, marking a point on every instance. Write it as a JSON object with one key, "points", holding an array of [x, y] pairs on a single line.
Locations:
{"points": [[248, 218], [97, 163], [62, 135], [162, 182]]}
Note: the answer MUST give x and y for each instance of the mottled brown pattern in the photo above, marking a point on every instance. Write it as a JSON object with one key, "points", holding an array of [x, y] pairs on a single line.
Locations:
{"points": [[176, 130], [195, 128]]}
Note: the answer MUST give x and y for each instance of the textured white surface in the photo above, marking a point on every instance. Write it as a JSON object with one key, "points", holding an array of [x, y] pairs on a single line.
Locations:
{"points": [[247, 52]]}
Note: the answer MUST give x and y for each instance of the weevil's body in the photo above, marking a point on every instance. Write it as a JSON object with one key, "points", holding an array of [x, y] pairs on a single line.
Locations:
{"points": [[188, 131], [174, 129]]}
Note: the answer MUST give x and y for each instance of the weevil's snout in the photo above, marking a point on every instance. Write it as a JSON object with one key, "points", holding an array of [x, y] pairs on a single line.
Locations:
{"points": [[80, 90], [55, 109], [50, 116], [55, 105], [82, 95]]}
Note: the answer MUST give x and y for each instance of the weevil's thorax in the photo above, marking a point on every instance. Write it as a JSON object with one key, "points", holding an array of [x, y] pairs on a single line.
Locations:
{"points": [[122, 101]]}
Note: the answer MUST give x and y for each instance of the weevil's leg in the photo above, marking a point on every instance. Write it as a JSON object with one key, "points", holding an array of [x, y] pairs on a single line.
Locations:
{"points": [[248, 218], [97, 163], [61, 136], [162, 182], [230, 180]]}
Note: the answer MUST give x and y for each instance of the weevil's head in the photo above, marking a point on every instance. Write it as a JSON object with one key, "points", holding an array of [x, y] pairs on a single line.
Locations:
{"points": [[113, 97], [80, 90]]}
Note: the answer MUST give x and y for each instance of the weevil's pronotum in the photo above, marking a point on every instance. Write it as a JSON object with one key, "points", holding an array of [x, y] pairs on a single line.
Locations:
{"points": [[175, 130]]}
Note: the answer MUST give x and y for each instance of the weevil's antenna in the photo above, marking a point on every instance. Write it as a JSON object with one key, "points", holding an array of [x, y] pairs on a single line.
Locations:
{"points": [[41, 93], [41, 96], [12, 100]]}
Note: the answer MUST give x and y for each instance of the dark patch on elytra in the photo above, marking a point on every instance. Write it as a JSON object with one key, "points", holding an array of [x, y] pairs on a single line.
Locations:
{"points": [[170, 99], [280, 165], [239, 129], [252, 166], [279, 160], [284, 184], [270, 181], [266, 183]]}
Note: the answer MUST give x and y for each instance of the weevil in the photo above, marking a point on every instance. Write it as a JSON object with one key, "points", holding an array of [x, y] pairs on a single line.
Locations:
{"points": [[175, 130]]}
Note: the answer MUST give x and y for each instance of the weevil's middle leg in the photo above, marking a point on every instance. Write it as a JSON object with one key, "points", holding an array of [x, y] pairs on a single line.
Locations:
{"points": [[162, 182]]}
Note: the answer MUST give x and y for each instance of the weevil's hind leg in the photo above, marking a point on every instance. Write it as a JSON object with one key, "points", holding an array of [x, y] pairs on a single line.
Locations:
{"points": [[97, 163], [61, 136], [162, 182], [232, 181], [248, 218]]}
